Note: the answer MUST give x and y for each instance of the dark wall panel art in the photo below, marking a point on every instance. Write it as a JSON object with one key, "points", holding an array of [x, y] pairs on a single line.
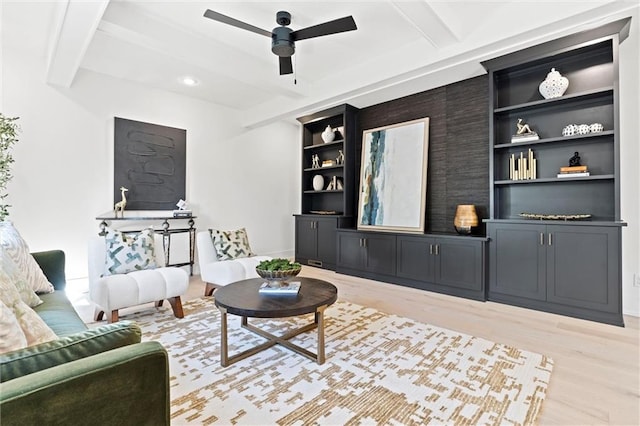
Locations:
{"points": [[150, 161]]}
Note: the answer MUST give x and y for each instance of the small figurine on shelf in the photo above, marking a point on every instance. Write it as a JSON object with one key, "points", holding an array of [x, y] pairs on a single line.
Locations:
{"points": [[120, 205], [575, 169], [524, 132], [315, 161], [523, 128], [575, 160], [340, 158]]}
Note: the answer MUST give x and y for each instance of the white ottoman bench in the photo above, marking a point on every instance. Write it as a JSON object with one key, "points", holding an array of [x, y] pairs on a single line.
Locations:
{"points": [[216, 272], [113, 292]]}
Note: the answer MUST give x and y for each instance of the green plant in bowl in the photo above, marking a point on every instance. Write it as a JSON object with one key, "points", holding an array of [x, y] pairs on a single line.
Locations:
{"points": [[277, 270], [278, 264]]}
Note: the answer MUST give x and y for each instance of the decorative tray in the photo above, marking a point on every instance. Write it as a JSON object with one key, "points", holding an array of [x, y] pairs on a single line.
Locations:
{"points": [[323, 211], [555, 216]]}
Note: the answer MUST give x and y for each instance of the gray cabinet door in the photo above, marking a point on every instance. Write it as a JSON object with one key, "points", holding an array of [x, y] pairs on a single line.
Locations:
{"points": [[306, 238], [380, 253], [459, 263], [350, 250], [517, 257], [415, 258], [326, 240], [583, 266]]}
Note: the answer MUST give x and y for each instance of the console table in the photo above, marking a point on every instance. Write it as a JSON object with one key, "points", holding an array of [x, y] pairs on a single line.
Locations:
{"points": [[166, 233]]}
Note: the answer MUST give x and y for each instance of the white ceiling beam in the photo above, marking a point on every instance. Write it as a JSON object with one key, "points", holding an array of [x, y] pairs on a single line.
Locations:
{"points": [[77, 24], [422, 16], [127, 22]]}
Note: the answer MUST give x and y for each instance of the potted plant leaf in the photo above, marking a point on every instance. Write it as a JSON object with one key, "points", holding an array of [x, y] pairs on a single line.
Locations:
{"points": [[8, 137]]}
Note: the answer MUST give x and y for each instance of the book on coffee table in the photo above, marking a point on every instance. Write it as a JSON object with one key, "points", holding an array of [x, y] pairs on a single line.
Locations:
{"points": [[286, 288]]}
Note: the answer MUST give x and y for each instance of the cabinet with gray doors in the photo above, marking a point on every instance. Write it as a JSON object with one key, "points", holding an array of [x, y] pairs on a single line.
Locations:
{"points": [[367, 254], [447, 264], [316, 239], [444, 263], [565, 269]]}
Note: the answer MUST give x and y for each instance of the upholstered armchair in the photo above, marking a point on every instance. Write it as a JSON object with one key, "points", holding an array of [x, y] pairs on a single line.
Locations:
{"points": [[219, 269], [112, 289]]}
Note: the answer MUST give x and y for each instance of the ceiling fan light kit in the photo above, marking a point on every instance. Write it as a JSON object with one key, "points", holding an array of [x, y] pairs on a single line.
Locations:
{"points": [[283, 38], [281, 43]]}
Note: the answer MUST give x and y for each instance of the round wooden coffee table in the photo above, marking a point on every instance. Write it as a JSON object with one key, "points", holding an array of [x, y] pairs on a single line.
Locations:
{"points": [[243, 299]]}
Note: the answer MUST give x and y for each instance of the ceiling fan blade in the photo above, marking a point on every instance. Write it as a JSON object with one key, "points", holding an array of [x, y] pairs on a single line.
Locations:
{"points": [[332, 27], [234, 22], [286, 67]]}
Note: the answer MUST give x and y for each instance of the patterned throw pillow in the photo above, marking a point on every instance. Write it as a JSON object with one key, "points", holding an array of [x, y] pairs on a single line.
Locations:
{"points": [[231, 244], [129, 252], [19, 280], [14, 246], [34, 328], [11, 335]]}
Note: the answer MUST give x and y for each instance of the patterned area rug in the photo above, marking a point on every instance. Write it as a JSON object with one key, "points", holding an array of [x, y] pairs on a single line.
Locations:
{"points": [[380, 369]]}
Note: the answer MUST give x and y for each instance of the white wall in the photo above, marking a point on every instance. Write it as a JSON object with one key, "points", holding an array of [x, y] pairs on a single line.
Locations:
{"points": [[630, 165], [63, 171]]}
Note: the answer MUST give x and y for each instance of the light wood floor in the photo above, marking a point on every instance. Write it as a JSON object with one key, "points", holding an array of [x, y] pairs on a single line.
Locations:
{"points": [[596, 375]]}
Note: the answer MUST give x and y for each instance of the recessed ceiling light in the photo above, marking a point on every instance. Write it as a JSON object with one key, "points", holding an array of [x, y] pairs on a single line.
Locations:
{"points": [[189, 81]]}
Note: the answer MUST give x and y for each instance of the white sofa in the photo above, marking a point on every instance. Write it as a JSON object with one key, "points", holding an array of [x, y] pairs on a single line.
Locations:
{"points": [[216, 272], [113, 292]]}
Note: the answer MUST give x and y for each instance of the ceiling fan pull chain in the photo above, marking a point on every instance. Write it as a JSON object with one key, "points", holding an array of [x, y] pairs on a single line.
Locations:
{"points": [[295, 70]]}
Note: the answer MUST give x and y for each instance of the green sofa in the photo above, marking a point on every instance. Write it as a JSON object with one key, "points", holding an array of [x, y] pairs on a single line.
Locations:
{"points": [[102, 375]]}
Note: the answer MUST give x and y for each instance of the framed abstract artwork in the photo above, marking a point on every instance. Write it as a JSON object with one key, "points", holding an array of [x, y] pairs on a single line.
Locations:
{"points": [[393, 177], [150, 161]]}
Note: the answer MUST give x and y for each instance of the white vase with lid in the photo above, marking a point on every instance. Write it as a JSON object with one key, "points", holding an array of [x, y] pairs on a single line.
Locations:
{"points": [[554, 85], [328, 135]]}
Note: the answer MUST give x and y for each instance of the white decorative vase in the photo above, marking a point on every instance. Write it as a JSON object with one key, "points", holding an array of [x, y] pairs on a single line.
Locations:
{"points": [[318, 183], [328, 135], [554, 85]]}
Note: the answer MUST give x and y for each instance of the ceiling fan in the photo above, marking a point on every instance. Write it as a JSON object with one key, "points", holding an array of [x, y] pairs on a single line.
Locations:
{"points": [[283, 38]]}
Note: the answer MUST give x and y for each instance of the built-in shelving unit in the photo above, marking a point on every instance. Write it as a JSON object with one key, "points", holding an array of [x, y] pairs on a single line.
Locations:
{"points": [[590, 98], [322, 211], [571, 268], [342, 120]]}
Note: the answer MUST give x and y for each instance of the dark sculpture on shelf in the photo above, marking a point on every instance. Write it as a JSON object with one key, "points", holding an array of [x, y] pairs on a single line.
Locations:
{"points": [[575, 160]]}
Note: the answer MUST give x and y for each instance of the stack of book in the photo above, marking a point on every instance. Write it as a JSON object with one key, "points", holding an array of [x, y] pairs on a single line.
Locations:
{"points": [[531, 136], [290, 288], [182, 213], [573, 171]]}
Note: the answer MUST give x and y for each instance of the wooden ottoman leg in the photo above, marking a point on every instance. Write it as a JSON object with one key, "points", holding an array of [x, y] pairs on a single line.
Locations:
{"points": [[114, 316], [176, 305]]}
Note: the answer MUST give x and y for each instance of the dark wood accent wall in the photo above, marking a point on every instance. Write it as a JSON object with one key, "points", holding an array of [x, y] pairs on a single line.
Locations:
{"points": [[458, 164]]}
